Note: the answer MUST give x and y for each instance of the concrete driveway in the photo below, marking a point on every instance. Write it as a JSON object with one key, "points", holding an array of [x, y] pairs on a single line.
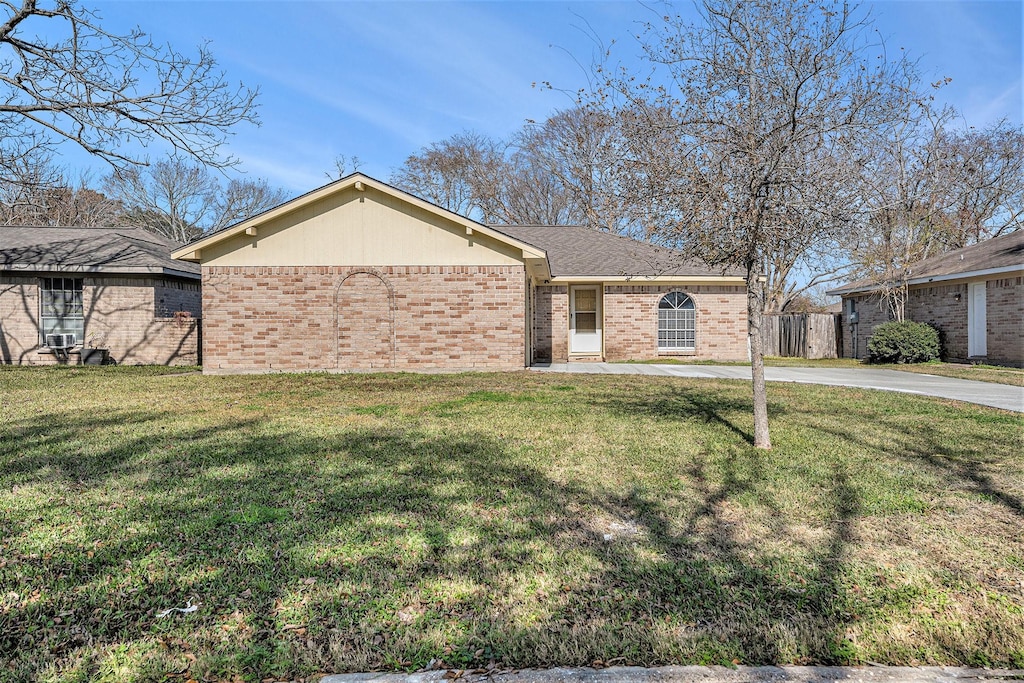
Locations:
{"points": [[982, 393]]}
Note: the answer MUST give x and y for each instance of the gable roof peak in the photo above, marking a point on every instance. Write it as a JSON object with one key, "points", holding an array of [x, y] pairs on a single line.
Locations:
{"points": [[361, 182]]}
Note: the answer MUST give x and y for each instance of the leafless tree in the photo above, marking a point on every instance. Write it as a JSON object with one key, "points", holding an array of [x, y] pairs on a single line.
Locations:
{"points": [[182, 201], [243, 198], [982, 175], [927, 187], [577, 150], [901, 199], [737, 140], [459, 173], [343, 166], [556, 172], [66, 78], [45, 196]]}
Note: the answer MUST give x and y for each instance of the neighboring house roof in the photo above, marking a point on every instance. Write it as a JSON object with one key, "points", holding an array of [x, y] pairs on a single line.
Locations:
{"points": [[90, 250], [995, 256], [580, 252], [361, 182]]}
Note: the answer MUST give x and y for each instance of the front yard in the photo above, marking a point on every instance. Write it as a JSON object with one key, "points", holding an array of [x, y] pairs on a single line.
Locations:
{"points": [[328, 523]]}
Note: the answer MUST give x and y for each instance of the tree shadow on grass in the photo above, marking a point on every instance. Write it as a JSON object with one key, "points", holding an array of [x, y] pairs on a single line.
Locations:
{"points": [[731, 600], [382, 547], [956, 459], [708, 404]]}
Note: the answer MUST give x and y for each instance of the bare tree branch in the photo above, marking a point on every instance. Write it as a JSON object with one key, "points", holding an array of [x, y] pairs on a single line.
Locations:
{"points": [[183, 201], [739, 141], [63, 77]]}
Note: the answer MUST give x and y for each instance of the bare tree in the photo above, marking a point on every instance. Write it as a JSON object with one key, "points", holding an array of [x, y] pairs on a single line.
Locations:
{"points": [[66, 78], [45, 196], [182, 201], [577, 150], [927, 187], [901, 198], [241, 199], [343, 166], [459, 173], [738, 140], [982, 175], [557, 172]]}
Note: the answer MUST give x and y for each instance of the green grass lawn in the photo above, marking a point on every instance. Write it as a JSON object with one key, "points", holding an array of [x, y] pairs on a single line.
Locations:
{"points": [[329, 523]]}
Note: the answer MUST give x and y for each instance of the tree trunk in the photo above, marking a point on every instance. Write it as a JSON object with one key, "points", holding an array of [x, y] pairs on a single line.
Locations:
{"points": [[755, 309]]}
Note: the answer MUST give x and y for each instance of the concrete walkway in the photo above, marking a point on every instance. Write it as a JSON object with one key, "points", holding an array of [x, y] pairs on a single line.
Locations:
{"points": [[982, 393], [701, 674]]}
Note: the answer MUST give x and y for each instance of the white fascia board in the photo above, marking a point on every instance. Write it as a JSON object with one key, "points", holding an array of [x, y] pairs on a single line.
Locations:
{"points": [[969, 275]]}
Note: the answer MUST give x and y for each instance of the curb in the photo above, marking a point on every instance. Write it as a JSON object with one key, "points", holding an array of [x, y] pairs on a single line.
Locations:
{"points": [[703, 674]]}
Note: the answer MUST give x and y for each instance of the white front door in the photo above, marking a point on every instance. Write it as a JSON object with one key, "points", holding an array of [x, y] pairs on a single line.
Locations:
{"points": [[977, 320], [585, 320]]}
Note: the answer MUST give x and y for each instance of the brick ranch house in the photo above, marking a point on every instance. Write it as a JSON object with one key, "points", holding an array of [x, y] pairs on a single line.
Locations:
{"points": [[115, 289], [358, 275], [974, 296]]}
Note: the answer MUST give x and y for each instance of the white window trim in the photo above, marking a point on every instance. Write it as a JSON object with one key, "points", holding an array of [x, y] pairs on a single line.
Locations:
{"points": [[679, 348]]}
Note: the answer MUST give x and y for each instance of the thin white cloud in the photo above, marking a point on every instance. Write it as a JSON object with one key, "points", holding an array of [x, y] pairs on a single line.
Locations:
{"points": [[982, 107]]}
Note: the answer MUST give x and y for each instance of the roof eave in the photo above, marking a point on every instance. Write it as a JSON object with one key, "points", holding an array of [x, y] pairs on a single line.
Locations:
{"points": [[100, 270], [926, 279]]}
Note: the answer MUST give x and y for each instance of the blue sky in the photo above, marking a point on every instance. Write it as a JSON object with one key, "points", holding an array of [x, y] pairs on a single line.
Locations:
{"points": [[379, 80]]}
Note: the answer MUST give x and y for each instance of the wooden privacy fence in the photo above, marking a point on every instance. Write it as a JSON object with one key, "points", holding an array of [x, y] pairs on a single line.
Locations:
{"points": [[802, 335]]}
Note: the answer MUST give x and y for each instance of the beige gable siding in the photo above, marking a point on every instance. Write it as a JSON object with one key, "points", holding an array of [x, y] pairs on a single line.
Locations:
{"points": [[361, 228]]}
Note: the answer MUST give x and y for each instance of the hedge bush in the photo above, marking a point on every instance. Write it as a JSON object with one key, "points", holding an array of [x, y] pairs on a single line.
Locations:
{"points": [[903, 342]]}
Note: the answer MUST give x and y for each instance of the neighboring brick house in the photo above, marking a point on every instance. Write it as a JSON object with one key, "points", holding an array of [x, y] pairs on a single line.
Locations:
{"points": [[358, 275], [114, 289], [974, 296]]}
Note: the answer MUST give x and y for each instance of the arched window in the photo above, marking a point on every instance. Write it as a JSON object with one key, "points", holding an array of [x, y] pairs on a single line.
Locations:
{"points": [[677, 329]]}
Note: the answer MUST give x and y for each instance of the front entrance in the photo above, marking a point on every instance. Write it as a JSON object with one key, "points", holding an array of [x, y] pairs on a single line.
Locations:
{"points": [[585, 320], [977, 320]]}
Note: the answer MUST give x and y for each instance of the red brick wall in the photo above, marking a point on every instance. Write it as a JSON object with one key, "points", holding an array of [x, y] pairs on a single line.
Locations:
{"points": [[122, 314], [259, 319], [19, 319], [366, 340], [631, 321], [1005, 315]]}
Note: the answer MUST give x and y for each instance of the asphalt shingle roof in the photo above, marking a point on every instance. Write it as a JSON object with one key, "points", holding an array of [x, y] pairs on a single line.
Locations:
{"points": [[113, 250], [1006, 251], [579, 251]]}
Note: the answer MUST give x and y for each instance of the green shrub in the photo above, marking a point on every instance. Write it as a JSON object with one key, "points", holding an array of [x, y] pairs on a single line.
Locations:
{"points": [[903, 342]]}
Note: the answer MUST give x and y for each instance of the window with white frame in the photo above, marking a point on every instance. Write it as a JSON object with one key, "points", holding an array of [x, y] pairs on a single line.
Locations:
{"points": [[60, 307], [677, 329]]}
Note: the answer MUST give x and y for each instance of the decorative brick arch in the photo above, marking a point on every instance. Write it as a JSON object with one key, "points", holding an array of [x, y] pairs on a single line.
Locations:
{"points": [[364, 321]]}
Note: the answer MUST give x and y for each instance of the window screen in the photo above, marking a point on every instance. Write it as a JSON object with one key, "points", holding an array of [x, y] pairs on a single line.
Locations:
{"points": [[60, 307]]}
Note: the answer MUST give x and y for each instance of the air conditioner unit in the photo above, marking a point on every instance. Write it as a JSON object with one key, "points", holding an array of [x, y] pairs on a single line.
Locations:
{"points": [[60, 341]]}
